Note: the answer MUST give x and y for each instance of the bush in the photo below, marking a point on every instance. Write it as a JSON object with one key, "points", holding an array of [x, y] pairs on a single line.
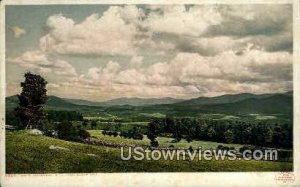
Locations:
{"points": [[134, 133], [110, 133], [154, 143], [48, 128], [138, 137], [123, 134], [115, 134], [67, 131], [12, 119], [94, 124], [84, 134]]}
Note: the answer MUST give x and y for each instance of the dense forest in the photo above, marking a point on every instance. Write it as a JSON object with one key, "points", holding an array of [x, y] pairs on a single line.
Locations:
{"points": [[240, 132]]}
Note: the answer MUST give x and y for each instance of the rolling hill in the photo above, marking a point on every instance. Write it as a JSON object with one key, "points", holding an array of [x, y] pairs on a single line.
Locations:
{"points": [[228, 98], [275, 104], [24, 156], [53, 103], [245, 103]]}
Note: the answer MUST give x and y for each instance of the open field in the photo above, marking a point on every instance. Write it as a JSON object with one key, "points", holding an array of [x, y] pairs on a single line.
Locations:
{"points": [[163, 141], [27, 153], [146, 117]]}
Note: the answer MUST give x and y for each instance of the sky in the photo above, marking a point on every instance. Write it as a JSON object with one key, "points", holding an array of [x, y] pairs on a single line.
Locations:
{"points": [[102, 52]]}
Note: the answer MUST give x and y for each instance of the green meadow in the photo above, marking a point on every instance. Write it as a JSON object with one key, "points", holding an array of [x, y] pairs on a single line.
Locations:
{"points": [[28, 153]]}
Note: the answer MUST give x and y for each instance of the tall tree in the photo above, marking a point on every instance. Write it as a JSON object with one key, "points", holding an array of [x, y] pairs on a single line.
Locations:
{"points": [[154, 129], [31, 100]]}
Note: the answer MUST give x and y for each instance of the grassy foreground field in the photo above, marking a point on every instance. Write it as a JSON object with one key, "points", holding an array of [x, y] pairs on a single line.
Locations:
{"points": [[28, 153]]}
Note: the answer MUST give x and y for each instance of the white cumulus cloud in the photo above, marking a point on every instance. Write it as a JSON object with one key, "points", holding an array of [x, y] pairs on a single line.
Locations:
{"points": [[40, 62], [112, 33], [191, 73], [179, 20]]}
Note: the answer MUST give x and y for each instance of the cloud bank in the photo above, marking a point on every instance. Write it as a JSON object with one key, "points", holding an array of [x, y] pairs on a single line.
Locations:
{"points": [[172, 51]]}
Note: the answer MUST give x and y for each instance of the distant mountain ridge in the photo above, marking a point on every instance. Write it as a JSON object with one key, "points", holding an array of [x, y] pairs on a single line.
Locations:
{"points": [[53, 102], [135, 101], [127, 101], [238, 103], [272, 104], [228, 98]]}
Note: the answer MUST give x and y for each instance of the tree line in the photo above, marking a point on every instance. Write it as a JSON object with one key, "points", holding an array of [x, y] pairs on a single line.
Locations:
{"points": [[134, 133], [59, 116], [239, 132], [51, 116]]}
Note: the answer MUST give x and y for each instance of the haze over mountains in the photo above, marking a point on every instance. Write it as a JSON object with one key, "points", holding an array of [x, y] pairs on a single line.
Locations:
{"points": [[237, 103], [127, 101]]}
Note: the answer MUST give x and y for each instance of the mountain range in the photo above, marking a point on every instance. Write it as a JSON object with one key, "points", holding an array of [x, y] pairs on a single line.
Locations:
{"points": [[230, 103], [134, 101]]}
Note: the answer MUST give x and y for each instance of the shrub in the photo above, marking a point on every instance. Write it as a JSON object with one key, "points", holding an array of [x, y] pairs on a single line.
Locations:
{"points": [[138, 137], [110, 133], [154, 143], [123, 134], [12, 119], [93, 124], [67, 131], [84, 134], [134, 133], [48, 128], [115, 134]]}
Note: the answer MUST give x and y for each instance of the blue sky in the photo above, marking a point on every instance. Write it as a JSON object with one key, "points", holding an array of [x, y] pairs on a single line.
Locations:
{"points": [[101, 52]]}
